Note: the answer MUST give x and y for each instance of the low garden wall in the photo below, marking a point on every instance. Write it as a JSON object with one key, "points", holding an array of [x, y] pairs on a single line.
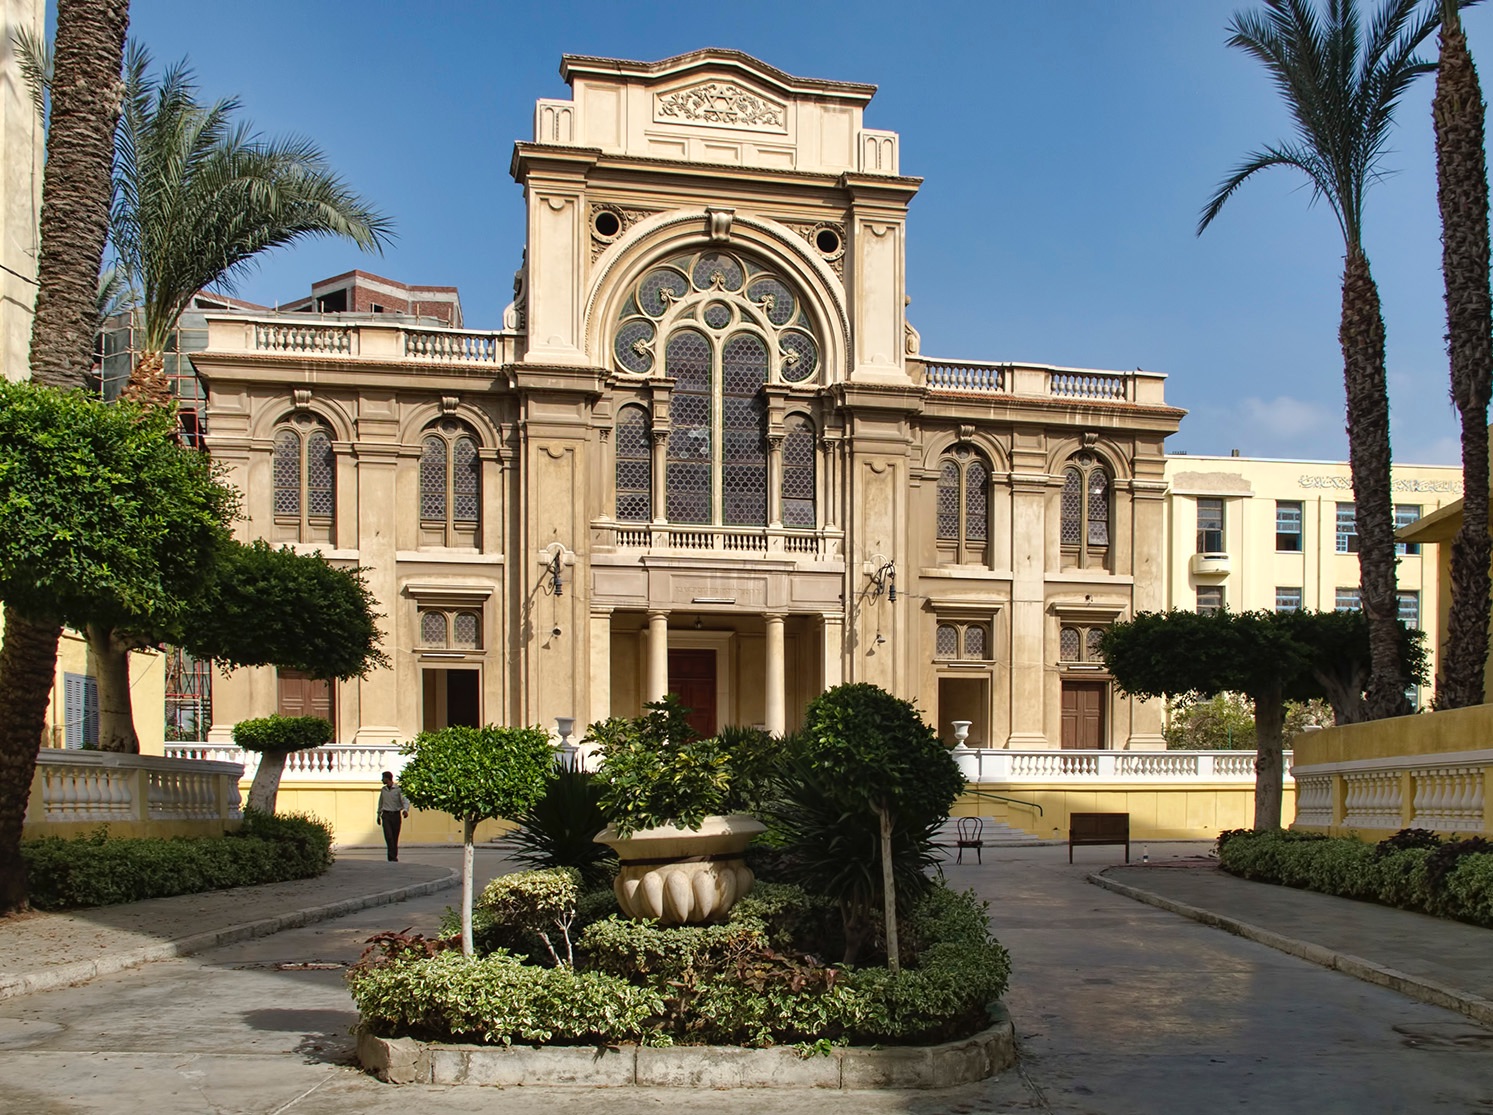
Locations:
{"points": [[1432, 771], [74, 792]]}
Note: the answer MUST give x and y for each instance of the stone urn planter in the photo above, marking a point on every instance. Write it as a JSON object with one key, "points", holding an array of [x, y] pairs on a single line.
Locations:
{"points": [[682, 876]]}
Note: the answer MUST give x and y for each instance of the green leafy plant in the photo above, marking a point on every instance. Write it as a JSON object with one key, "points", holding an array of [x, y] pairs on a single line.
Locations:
{"points": [[537, 901], [282, 733], [559, 829], [657, 770], [475, 774]]}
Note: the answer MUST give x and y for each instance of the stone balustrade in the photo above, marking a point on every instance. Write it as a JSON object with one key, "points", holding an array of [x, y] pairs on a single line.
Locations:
{"points": [[810, 545], [135, 795], [336, 763], [993, 765], [983, 377], [312, 336]]}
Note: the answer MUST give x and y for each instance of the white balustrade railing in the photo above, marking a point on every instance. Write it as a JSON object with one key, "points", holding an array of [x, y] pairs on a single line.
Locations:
{"points": [[976, 376], [100, 787], [1448, 799], [989, 765], [449, 346], [1372, 799], [304, 337], [1445, 791], [1089, 385], [818, 545], [336, 763], [1313, 799]]}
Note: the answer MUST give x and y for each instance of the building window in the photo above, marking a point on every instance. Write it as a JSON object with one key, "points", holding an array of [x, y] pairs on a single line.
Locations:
{"points": [[1287, 599], [1209, 599], [1078, 643], [1409, 604], [1347, 528], [450, 485], [1405, 514], [450, 629], [305, 472], [1210, 526], [79, 711], [964, 506], [799, 509], [965, 642], [1345, 600], [1085, 510], [722, 326], [1288, 526], [634, 465]]}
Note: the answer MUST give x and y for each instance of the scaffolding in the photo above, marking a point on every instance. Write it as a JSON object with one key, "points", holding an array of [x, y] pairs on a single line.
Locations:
{"points": [[189, 697], [118, 349]]}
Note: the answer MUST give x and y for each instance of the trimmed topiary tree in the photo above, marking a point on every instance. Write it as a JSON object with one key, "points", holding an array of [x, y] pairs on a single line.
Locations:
{"points": [[476, 774], [876, 753], [275, 737]]}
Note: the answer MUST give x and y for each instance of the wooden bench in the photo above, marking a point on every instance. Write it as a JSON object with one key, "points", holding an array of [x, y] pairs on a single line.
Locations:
{"points": [[1098, 828]]}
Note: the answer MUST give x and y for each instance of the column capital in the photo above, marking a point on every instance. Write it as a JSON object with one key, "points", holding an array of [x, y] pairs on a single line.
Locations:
{"points": [[657, 613], [775, 617]]}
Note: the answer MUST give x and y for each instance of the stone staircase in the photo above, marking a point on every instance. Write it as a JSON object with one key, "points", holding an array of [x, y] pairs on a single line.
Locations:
{"points": [[996, 834]]}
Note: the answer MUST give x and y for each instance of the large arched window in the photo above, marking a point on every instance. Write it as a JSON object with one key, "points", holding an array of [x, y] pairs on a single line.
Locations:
{"points": [[964, 507], [305, 475], [721, 325], [634, 465], [799, 510], [450, 486], [1086, 511]]}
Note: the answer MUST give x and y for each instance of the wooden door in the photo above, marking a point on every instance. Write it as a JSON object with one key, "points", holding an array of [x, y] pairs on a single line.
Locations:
{"points": [[1083, 715], [300, 695], [692, 680]]}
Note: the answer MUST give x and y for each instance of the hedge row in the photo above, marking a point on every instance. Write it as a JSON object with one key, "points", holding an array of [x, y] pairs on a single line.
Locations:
{"points": [[723, 984], [1414, 869], [99, 870]]}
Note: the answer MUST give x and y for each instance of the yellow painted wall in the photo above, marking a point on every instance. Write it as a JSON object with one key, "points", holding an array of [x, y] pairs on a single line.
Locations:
{"points": [[1156, 812], [351, 809], [1428, 733]]}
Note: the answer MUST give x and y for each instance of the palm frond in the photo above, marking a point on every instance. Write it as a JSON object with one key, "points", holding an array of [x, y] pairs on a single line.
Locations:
{"points": [[34, 55]]}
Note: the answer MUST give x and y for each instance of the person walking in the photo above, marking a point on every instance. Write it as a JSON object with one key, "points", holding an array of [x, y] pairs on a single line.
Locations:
{"points": [[392, 805]]}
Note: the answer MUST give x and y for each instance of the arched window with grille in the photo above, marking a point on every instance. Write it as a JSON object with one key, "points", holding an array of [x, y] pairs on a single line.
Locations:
{"points": [[722, 326], [963, 515], [634, 469], [450, 486], [305, 481], [959, 641], [1086, 512], [799, 509]]}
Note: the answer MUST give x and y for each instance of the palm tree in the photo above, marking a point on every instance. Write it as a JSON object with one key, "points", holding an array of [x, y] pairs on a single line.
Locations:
{"points": [[197, 196], [1341, 82], [74, 226], [1462, 190]]}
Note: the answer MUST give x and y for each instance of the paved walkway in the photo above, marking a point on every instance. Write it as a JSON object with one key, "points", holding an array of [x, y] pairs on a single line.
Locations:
{"points": [[1121, 1008], [40, 951]]}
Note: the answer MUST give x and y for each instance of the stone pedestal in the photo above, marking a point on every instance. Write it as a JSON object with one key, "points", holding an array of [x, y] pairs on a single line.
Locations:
{"points": [[681, 876]]}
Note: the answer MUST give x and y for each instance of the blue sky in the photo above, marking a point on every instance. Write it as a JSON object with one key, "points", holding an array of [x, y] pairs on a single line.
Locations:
{"points": [[1066, 151]]}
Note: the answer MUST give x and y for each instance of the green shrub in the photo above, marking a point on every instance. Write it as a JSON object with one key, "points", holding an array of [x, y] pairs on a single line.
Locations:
{"points": [[1413, 870], [282, 733], [98, 870], [497, 1000], [540, 903], [724, 984], [558, 830], [656, 770]]}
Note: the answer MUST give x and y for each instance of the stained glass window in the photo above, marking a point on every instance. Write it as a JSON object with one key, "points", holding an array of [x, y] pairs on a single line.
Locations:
{"points": [[1091, 643], [1098, 508], [1085, 509], [743, 448], [433, 629], [632, 345], [287, 470], [717, 271], [963, 505], [634, 466], [800, 356], [775, 299], [320, 471], [465, 481], [433, 479], [1069, 644], [1072, 506], [946, 641], [689, 452], [948, 500], [717, 315], [660, 289], [464, 631], [976, 502], [974, 641], [798, 474]]}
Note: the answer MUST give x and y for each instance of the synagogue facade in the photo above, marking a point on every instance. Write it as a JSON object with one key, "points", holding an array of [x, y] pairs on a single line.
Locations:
{"points": [[705, 454]]}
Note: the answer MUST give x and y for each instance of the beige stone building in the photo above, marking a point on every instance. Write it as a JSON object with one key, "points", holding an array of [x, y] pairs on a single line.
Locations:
{"points": [[1246, 534], [705, 454], [21, 140]]}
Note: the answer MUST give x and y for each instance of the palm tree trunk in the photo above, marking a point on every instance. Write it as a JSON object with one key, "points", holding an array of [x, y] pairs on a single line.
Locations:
{"points": [[28, 660], [1462, 191], [111, 666], [1362, 338], [86, 94]]}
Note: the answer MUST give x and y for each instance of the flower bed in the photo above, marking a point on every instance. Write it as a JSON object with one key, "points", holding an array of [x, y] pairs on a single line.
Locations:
{"points": [[746, 982], [1414, 869]]}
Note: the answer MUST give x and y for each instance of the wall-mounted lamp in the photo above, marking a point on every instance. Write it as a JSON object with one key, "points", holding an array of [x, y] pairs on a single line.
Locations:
{"points": [[885, 580], [699, 624], [557, 581], [880, 638]]}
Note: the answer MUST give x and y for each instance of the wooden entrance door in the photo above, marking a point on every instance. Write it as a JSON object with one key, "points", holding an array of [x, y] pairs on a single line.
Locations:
{"points": [[300, 694], [1083, 714], [692, 680]]}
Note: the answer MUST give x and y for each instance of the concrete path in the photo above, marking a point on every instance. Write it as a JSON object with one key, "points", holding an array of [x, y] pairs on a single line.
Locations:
{"points": [[1120, 1008]]}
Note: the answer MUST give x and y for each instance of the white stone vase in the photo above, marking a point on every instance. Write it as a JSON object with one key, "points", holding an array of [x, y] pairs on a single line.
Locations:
{"points": [[682, 876]]}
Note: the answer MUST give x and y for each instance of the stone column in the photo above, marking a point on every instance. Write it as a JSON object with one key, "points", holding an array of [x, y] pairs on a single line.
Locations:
{"points": [[1028, 585], [776, 716], [832, 650], [658, 656], [775, 482], [601, 667]]}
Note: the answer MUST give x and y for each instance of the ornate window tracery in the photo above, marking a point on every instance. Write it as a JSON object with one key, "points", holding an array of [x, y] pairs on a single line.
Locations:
{"points": [[722, 325], [964, 506], [450, 485], [305, 480], [965, 642], [1086, 511], [634, 468]]}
